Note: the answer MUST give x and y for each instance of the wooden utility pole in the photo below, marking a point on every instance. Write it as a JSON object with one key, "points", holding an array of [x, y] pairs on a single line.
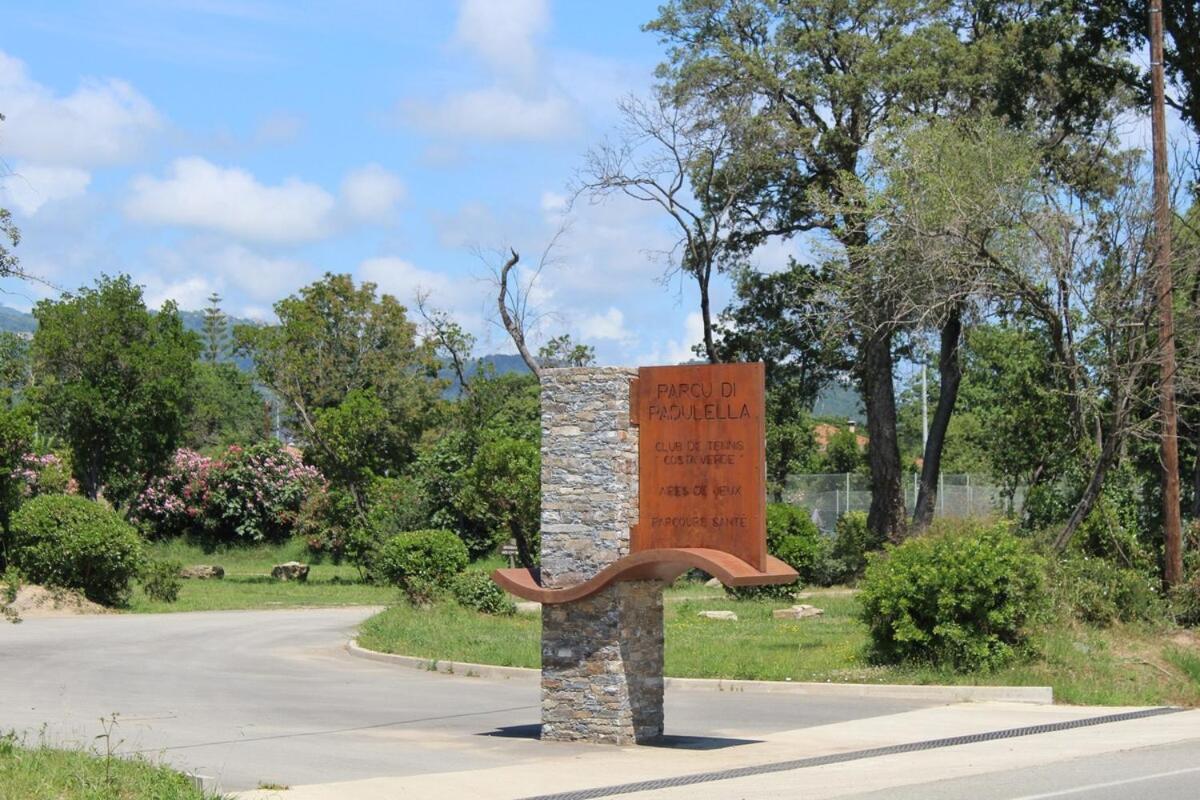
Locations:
{"points": [[1172, 527]]}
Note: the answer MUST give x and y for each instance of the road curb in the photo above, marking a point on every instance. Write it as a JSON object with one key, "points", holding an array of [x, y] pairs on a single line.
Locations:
{"points": [[1037, 695]]}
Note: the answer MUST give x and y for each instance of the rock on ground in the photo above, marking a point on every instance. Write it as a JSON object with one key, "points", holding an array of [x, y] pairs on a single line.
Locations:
{"points": [[797, 612], [202, 572], [728, 616], [290, 571]]}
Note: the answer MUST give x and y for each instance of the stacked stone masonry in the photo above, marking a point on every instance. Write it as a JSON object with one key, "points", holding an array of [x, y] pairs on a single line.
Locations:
{"points": [[602, 657]]}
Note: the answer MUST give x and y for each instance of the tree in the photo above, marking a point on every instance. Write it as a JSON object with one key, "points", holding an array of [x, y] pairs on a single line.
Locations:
{"points": [[821, 81], [1125, 22], [115, 381], [216, 330], [226, 409], [842, 453], [560, 351], [340, 349], [669, 154], [15, 366], [16, 438]]}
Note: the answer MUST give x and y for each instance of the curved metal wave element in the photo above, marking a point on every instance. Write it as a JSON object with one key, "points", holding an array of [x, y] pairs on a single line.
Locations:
{"points": [[664, 564]]}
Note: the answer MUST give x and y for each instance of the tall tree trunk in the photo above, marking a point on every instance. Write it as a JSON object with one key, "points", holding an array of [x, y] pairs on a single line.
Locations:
{"points": [[950, 376], [710, 347], [1091, 494], [887, 517]]}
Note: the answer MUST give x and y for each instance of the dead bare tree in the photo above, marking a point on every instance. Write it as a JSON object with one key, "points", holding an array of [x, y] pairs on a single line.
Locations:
{"points": [[671, 156], [514, 297]]}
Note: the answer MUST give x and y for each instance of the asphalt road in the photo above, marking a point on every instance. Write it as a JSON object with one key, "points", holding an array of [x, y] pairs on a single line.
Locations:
{"points": [[271, 696]]}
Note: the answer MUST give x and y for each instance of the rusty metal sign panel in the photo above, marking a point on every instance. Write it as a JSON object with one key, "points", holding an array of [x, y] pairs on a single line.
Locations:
{"points": [[702, 459]]}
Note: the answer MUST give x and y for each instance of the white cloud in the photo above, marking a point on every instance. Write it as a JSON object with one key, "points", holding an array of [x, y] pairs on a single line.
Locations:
{"points": [[191, 270], [521, 100], [370, 193], [678, 351], [30, 186], [199, 194], [609, 325], [188, 293], [101, 122], [403, 279], [502, 33], [262, 278], [553, 203], [464, 299], [497, 114]]}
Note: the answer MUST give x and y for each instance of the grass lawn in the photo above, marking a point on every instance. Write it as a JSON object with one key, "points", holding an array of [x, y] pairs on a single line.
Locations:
{"points": [[1124, 665], [45, 773], [248, 582]]}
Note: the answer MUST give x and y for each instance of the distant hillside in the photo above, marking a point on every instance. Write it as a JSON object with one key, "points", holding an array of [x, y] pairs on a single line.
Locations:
{"points": [[839, 401], [502, 363], [14, 321]]}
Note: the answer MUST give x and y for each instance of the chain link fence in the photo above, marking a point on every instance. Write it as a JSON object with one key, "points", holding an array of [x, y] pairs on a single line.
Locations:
{"points": [[828, 496]]}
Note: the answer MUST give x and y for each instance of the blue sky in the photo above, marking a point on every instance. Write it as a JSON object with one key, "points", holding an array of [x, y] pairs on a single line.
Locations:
{"points": [[248, 147]]}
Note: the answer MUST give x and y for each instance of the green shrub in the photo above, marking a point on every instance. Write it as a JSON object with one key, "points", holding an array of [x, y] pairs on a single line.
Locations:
{"points": [[793, 538], [1185, 598], [474, 589], [963, 597], [325, 523], [1098, 592], [161, 581], [72, 542], [420, 562], [852, 541]]}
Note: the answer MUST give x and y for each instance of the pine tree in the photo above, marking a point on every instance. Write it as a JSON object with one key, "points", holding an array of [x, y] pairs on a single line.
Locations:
{"points": [[216, 330]]}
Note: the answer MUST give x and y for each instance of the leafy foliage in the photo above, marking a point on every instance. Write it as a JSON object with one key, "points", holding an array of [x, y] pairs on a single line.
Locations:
{"points": [[1100, 593], [76, 543], [500, 496], [348, 362], [16, 431], [793, 538], [249, 494], [422, 562], [474, 589], [964, 597], [226, 408], [115, 381], [853, 541], [160, 580]]}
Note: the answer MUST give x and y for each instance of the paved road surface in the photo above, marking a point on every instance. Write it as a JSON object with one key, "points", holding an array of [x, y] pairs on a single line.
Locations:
{"points": [[272, 697], [250, 696]]}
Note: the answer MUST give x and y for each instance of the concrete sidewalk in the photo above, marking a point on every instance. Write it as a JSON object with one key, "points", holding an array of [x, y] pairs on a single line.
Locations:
{"points": [[596, 771]]}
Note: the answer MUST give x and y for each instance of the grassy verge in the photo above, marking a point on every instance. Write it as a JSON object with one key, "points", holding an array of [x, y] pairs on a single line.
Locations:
{"points": [[45, 773], [248, 582], [1124, 665]]}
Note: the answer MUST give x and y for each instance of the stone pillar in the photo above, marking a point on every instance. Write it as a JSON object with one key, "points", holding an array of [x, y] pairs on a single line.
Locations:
{"points": [[602, 657]]}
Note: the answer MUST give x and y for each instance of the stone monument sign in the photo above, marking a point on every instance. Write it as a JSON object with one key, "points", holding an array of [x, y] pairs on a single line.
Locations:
{"points": [[645, 474]]}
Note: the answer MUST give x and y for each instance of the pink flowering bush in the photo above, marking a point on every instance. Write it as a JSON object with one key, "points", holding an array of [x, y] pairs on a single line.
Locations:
{"points": [[248, 494], [177, 502], [44, 474]]}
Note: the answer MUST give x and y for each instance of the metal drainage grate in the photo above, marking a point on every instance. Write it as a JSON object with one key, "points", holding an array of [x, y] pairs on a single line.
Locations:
{"points": [[837, 758]]}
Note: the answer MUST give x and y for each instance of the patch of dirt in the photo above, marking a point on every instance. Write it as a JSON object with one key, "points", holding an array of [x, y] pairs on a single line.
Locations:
{"points": [[37, 601], [1187, 639]]}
